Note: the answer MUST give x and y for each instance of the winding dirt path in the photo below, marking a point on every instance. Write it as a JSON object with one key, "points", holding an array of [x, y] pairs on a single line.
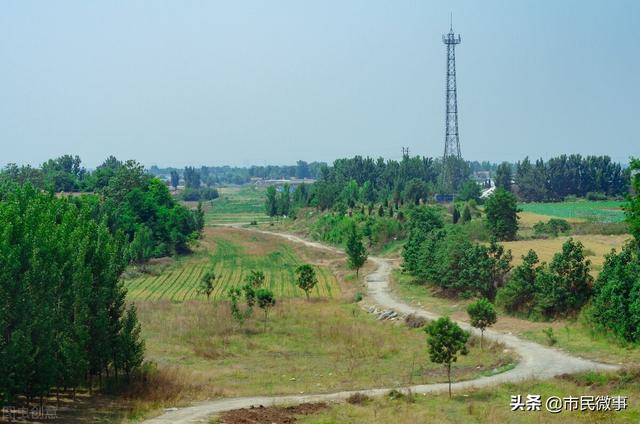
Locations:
{"points": [[536, 361]]}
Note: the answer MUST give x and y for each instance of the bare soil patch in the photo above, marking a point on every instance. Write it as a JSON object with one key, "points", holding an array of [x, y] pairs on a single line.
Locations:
{"points": [[271, 415]]}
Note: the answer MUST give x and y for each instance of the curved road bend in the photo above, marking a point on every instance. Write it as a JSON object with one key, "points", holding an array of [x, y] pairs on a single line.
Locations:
{"points": [[536, 361]]}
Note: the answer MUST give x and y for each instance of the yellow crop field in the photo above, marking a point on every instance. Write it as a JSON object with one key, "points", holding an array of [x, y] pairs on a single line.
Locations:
{"points": [[596, 247]]}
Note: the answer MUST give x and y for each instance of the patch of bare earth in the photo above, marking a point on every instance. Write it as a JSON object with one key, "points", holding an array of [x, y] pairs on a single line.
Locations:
{"points": [[271, 415]]}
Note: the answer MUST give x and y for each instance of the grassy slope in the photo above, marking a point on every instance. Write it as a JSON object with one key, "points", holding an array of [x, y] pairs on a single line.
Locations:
{"points": [[493, 405]]}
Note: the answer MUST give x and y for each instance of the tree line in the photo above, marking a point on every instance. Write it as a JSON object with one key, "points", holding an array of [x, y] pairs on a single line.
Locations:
{"points": [[63, 318], [444, 256], [123, 195], [414, 180], [218, 175], [564, 175]]}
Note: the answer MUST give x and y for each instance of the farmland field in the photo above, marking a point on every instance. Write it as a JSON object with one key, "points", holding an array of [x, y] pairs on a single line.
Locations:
{"points": [[237, 205], [596, 246], [594, 211], [234, 253]]}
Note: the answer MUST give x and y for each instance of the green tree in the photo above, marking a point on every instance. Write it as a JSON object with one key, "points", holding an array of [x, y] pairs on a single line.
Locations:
{"points": [[565, 286], [367, 193], [615, 306], [206, 282], [504, 176], [175, 179], [132, 346], [271, 204], [416, 190], [198, 217], [284, 201], [356, 252], [446, 341], [482, 315], [422, 221], [466, 214], [62, 311], [142, 246], [266, 301], [502, 215], [191, 177], [470, 191], [234, 304], [517, 296], [632, 207], [307, 278], [256, 279], [350, 193], [455, 215]]}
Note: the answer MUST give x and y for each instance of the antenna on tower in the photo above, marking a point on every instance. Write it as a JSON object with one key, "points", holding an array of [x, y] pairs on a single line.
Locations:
{"points": [[451, 21]]}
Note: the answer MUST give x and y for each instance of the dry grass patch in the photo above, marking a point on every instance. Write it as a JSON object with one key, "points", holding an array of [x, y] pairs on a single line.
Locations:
{"points": [[529, 219], [309, 347], [596, 245]]}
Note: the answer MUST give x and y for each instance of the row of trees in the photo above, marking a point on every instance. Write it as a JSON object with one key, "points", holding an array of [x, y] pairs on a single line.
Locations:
{"points": [[63, 319], [447, 258], [438, 253], [216, 175], [365, 180], [545, 291], [615, 307], [564, 176], [444, 256], [125, 197]]}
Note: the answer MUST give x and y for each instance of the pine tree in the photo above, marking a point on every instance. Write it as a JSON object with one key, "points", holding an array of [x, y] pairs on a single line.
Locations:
{"points": [[131, 344]]}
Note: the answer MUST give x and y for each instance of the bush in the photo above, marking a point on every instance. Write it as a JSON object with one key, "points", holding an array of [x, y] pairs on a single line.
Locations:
{"points": [[415, 321], [476, 231], [553, 227], [358, 399], [551, 338], [202, 193], [595, 195]]}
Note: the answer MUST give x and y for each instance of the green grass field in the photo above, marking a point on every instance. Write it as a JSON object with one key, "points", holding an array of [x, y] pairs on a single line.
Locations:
{"points": [[237, 205], [606, 211], [235, 254]]}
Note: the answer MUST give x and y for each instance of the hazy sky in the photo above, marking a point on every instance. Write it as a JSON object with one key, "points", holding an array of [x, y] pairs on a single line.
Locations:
{"points": [[269, 82]]}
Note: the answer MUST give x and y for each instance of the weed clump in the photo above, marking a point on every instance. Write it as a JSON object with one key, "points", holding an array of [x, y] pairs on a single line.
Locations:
{"points": [[415, 321], [358, 399]]}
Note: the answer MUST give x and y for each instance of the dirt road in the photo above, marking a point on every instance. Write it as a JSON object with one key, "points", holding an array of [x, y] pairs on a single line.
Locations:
{"points": [[536, 361]]}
